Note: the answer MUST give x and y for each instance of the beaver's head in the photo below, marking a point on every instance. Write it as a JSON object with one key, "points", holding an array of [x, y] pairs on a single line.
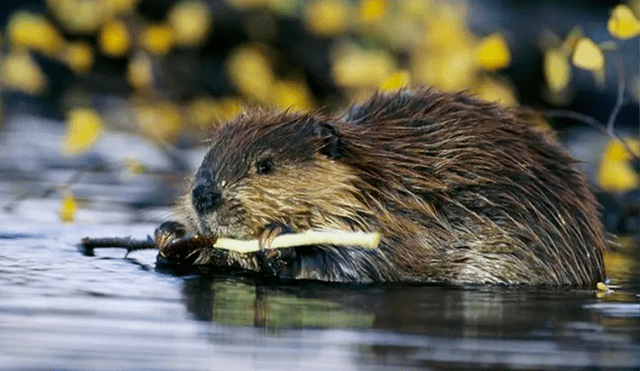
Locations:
{"points": [[269, 168]]}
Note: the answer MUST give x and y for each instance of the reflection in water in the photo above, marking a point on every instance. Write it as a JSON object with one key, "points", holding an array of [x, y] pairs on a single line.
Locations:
{"points": [[506, 327]]}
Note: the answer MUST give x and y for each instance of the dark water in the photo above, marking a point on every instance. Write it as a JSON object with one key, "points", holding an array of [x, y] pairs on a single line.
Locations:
{"points": [[62, 310]]}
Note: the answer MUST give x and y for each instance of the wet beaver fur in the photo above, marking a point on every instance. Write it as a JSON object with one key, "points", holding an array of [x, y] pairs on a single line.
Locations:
{"points": [[462, 191]]}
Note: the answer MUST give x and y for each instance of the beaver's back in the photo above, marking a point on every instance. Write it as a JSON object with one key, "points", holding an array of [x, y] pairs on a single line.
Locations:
{"points": [[477, 194]]}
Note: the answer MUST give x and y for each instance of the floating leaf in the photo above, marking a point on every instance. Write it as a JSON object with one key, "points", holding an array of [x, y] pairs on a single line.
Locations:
{"points": [[327, 17], [493, 52], [84, 127], [623, 24], [114, 40], [615, 172], [191, 21], [588, 55], [68, 207], [135, 166], [557, 71]]}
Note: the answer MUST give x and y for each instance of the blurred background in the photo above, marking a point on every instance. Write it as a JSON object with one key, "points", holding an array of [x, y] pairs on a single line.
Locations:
{"points": [[128, 87]]}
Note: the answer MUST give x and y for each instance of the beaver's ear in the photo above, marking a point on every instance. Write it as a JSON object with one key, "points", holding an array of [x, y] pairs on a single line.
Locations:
{"points": [[332, 144]]}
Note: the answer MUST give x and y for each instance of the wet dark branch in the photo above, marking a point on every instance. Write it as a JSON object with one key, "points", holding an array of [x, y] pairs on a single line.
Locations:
{"points": [[89, 244]]}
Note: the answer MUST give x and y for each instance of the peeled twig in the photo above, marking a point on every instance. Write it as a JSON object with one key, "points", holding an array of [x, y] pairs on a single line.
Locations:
{"points": [[312, 237]]}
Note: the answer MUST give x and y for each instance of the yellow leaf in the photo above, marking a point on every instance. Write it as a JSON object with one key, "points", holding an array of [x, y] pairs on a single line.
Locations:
{"points": [[450, 71], [416, 9], [327, 17], [357, 68], [84, 127], [623, 24], [21, 72], [159, 121], [202, 111], [80, 16], [134, 166], [35, 32], [230, 107], [493, 52], [79, 56], [122, 6], [68, 207], [615, 172], [292, 94], [372, 11], [191, 21], [250, 70], [557, 70], [494, 90], [445, 28], [157, 38], [140, 71], [247, 4], [283, 7], [114, 40], [206, 111], [571, 40], [588, 55], [396, 80]]}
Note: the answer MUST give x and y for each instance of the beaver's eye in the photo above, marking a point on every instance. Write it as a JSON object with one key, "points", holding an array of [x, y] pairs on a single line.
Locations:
{"points": [[264, 166]]}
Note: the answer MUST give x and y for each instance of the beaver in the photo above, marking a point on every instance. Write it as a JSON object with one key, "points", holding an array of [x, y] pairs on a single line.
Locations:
{"points": [[462, 191]]}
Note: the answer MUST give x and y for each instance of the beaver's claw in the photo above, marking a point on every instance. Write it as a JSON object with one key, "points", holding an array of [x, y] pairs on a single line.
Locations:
{"points": [[270, 232], [273, 260]]}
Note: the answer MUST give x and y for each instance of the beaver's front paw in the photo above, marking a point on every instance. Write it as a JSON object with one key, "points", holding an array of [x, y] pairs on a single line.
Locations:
{"points": [[176, 245], [167, 233], [274, 262]]}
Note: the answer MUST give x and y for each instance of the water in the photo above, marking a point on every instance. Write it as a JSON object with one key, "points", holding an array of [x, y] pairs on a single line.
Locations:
{"points": [[63, 310]]}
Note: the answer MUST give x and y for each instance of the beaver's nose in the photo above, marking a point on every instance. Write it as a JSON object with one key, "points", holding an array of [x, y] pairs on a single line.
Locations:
{"points": [[206, 196]]}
